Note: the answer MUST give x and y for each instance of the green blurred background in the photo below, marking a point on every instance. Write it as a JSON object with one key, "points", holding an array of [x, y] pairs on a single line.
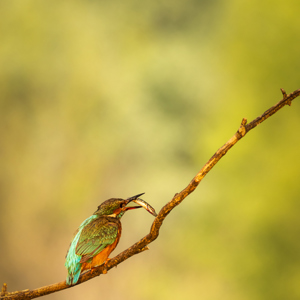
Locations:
{"points": [[105, 99]]}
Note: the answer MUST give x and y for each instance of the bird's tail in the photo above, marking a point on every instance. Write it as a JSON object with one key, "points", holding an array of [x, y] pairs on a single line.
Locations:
{"points": [[73, 278]]}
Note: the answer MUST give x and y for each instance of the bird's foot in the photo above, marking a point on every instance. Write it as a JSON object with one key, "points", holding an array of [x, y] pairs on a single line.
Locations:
{"points": [[92, 269], [104, 265]]}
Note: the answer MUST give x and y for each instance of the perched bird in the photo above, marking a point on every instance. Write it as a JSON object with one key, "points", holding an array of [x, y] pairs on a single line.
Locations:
{"points": [[98, 236]]}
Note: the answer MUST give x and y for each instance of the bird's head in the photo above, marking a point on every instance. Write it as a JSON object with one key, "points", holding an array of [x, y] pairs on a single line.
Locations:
{"points": [[116, 207]]}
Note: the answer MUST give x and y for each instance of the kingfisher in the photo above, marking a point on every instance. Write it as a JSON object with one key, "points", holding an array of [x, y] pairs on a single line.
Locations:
{"points": [[98, 236]]}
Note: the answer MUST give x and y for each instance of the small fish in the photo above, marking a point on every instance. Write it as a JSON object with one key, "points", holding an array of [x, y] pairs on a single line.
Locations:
{"points": [[146, 205]]}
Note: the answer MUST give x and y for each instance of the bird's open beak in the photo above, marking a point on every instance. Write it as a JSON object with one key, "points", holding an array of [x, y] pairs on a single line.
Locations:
{"points": [[131, 199]]}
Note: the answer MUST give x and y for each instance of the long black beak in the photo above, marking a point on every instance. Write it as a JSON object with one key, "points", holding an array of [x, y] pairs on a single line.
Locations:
{"points": [[131, 199], [134, 197]]}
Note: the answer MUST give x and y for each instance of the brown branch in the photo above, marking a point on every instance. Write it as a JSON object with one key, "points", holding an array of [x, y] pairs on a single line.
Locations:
{"points": [[141, 245]]}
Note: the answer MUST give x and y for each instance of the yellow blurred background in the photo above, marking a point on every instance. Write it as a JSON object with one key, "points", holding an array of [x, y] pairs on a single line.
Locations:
{"points": [[102, 99]]}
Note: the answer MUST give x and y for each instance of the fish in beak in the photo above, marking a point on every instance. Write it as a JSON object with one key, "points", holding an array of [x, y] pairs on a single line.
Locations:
{"points": [[141, 203]]}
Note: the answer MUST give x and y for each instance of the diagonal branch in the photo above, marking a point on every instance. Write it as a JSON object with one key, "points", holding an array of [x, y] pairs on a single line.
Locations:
{"points": [[141, 245]]}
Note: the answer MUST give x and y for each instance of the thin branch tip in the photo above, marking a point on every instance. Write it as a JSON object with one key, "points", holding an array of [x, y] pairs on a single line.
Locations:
{"points": [[4, 289], [283, 93], [242, 129], [244, 121], [289, 102]]}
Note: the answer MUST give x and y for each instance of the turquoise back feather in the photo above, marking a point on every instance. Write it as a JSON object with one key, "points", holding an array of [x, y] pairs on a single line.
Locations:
{"points": [[72, 263]]}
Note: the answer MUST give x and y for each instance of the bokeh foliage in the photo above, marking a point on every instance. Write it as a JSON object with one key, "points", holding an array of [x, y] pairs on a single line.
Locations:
{"points": [[105, 99]]}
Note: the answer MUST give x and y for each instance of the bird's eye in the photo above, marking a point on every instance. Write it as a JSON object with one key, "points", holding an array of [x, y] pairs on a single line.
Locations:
{"points": [[122, 205]]}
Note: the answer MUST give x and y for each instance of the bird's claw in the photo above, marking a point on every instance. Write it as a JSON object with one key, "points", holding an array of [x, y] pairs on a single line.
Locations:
{"points": [[104, 271]]}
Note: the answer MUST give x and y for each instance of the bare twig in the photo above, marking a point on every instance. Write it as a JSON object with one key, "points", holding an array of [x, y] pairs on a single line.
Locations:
{"points": [[141, 245], [4, 289]]}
